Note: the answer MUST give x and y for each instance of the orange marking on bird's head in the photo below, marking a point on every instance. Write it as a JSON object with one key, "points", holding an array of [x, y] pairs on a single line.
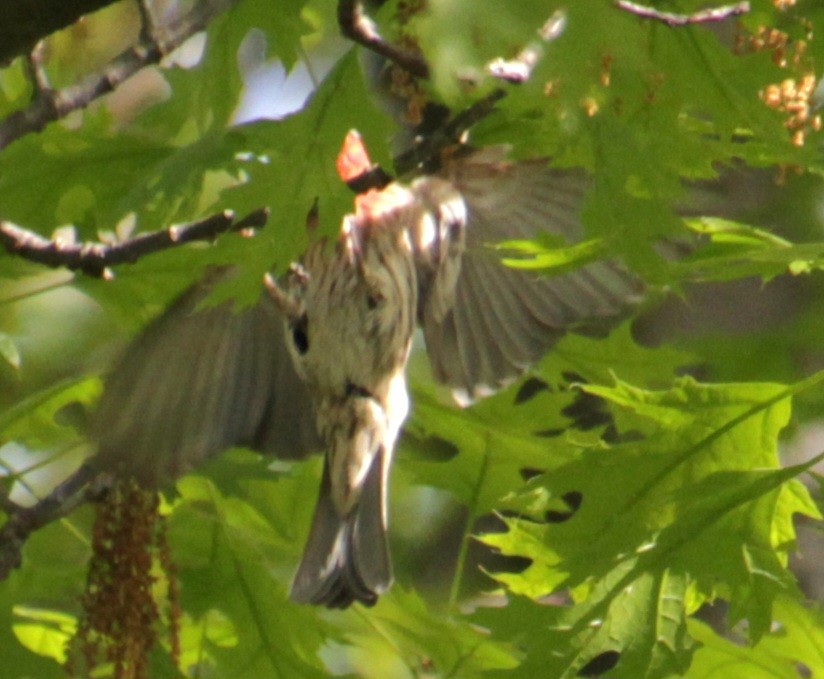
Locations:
{"points": [[353, 159]]}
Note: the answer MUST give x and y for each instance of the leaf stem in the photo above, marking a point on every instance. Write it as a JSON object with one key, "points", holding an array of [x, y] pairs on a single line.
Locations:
{"points": [[460, 566], [49, 287]]}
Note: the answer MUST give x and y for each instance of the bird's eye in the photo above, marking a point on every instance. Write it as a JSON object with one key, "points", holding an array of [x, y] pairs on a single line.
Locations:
{"points": [[373, 300], [300, 334]]}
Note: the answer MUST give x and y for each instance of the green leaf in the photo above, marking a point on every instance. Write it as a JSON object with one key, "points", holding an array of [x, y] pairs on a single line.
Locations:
{"points": [[45, 632], [33, 420], [495, 439], [553, 260], [791, 649], [210, 106], [481, 454], [157, 167], [641, 634], [39, 602], [14, 88], [291, 165], [736, 250], [37, 171], [599, 360], [8, 350], [234, 558], [459, 38], [402, 636], [693, 492], [283, 29], [650, 496], [236, 552]]}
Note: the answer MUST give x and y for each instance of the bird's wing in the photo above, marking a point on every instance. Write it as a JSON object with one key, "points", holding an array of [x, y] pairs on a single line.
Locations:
{"points": [[200, 379], [503, 319]]}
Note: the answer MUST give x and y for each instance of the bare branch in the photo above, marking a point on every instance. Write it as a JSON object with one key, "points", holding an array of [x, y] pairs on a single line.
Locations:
{"points": [[671, 19], [94, 259], [48, 105], [358, 27], [81, 486]]}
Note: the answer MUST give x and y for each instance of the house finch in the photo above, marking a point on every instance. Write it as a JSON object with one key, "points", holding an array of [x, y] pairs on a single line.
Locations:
{"points": [[319, 363]]}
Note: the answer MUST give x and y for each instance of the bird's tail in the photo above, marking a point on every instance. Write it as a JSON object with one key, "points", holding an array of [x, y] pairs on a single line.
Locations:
{"points": [[346, 558]]}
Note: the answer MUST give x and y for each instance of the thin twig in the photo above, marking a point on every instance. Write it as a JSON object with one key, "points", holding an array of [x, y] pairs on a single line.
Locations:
{"points": [[519, 69], [671, 19], [151, 49], [358, 27], [23, 521], [42, 98], [95, 259], [426, 153], [37, 71], [147, 25]]}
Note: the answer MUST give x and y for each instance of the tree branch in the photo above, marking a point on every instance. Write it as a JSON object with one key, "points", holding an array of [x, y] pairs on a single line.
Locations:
{"points": [[425, 154], [81, 486], [87, 483], [48, 105], [358, 27], [94, 259], [671, 19]]}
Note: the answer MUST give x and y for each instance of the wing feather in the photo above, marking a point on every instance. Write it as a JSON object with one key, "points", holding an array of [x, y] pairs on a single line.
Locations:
{"points": [[442, 345], [200, 379], [506, 319], [519, 337], [480, 338]]}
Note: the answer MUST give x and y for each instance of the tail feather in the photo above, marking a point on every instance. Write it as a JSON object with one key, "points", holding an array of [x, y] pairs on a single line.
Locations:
{"points": [[346, 558]]}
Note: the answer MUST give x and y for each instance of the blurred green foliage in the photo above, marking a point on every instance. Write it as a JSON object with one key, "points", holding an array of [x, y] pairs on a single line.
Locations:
{"points": [[627, 494]]}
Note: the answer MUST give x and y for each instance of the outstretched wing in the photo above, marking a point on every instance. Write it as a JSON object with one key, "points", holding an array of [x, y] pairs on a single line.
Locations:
{"points": [[197, 381], [504, 319]]}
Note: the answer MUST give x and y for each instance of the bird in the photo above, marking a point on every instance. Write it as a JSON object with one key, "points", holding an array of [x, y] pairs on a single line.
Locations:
{"points": [[318, 363]]}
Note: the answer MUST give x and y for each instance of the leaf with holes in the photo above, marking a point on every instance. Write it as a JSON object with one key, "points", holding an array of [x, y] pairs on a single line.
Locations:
{"points": [[691, 490]]}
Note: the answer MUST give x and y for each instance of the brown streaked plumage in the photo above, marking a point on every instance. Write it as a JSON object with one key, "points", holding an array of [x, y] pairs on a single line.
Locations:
{"points": [[319, 363]]}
